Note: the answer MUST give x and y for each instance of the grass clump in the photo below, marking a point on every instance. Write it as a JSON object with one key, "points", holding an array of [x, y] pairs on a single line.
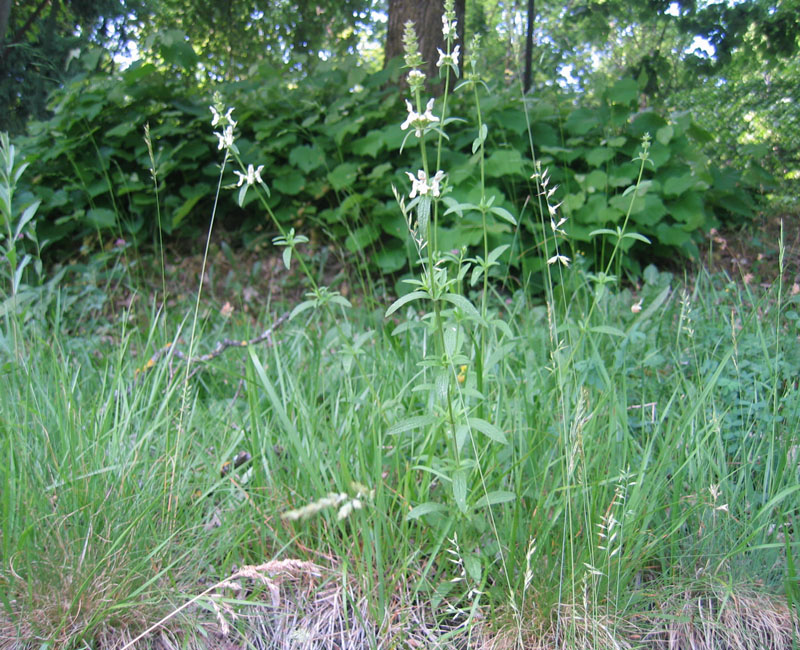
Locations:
{"points": [[610, 467]]}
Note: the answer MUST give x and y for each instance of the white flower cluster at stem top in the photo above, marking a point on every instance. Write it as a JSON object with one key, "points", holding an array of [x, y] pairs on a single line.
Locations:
{"points": [[227, 123]]}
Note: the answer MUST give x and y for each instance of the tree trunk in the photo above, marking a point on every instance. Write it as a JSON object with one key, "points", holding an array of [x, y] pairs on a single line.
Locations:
{"points": [[526, 82], [427, 18], [5, 12]]}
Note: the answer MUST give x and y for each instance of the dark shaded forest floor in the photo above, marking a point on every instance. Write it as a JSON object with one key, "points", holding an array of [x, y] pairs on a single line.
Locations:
{"points": [[249, 279]]}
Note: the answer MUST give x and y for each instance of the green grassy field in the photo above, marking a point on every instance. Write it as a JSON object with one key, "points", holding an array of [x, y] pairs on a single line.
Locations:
{"points": [[612, 477]]}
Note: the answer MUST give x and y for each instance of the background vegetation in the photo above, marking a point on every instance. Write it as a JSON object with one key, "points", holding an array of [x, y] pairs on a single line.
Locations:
{"points": [[266, 377]]}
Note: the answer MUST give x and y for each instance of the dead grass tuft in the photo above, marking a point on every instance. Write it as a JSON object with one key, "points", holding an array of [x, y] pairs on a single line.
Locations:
{"points": [[716, 617]]}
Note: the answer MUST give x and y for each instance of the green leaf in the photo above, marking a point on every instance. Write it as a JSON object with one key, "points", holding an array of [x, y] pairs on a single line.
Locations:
{"points": [[121, 130], [573, 202], [291, 183], [460, 489], [391, 259], [409, 297], [27, 215], [689, 209], [607, 329], [369, 145], [672, 236], [581, 121], [343, 175], [425, 509], [496, 497], [505, 162], [462, 303], [379, 172], [307, 157], [599, 155], [487, 429], [677, 185], [303, 306], [504, 214], [101, 218], [664, 134], [362, 237], [476, 144], [414, 422], [625, 91], [179, 214]]}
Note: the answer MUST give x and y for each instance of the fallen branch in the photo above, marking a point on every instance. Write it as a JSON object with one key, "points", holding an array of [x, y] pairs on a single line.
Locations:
{"points": [[172, 352]]}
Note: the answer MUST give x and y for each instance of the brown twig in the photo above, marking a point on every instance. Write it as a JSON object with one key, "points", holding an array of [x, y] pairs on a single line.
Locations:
{"points": [[221, 346]]}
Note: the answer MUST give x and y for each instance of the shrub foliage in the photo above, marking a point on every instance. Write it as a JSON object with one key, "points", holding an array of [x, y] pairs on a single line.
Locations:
{"points": [[330, 147]]}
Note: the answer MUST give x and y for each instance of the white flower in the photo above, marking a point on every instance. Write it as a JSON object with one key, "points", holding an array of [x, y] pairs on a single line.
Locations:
{"points": [[419, 120], [448, 59], [636, 307], [415, 78], [225, 138], [421, 186], [428, 115], [562, 259], [556, 227], [449, 27], [435, 181], [252, 176], [222, 119]]}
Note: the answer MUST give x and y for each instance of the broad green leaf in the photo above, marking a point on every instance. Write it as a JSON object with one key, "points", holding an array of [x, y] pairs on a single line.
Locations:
{"points": [[121, 129], [379, 172], [664, 134], [573, 201], [625, 91], [581, 121], [369, 145], [671, 235], [462, 303], [504, 214], [101, 218], [599, 156], [677, 185], [425, 509], [496, 497], [488, 429], [414, 422], [505, 162], [307, 157], [291, 183], [343, 175], [409, 297], [391, 259], [595, 181], [689, 209]]}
